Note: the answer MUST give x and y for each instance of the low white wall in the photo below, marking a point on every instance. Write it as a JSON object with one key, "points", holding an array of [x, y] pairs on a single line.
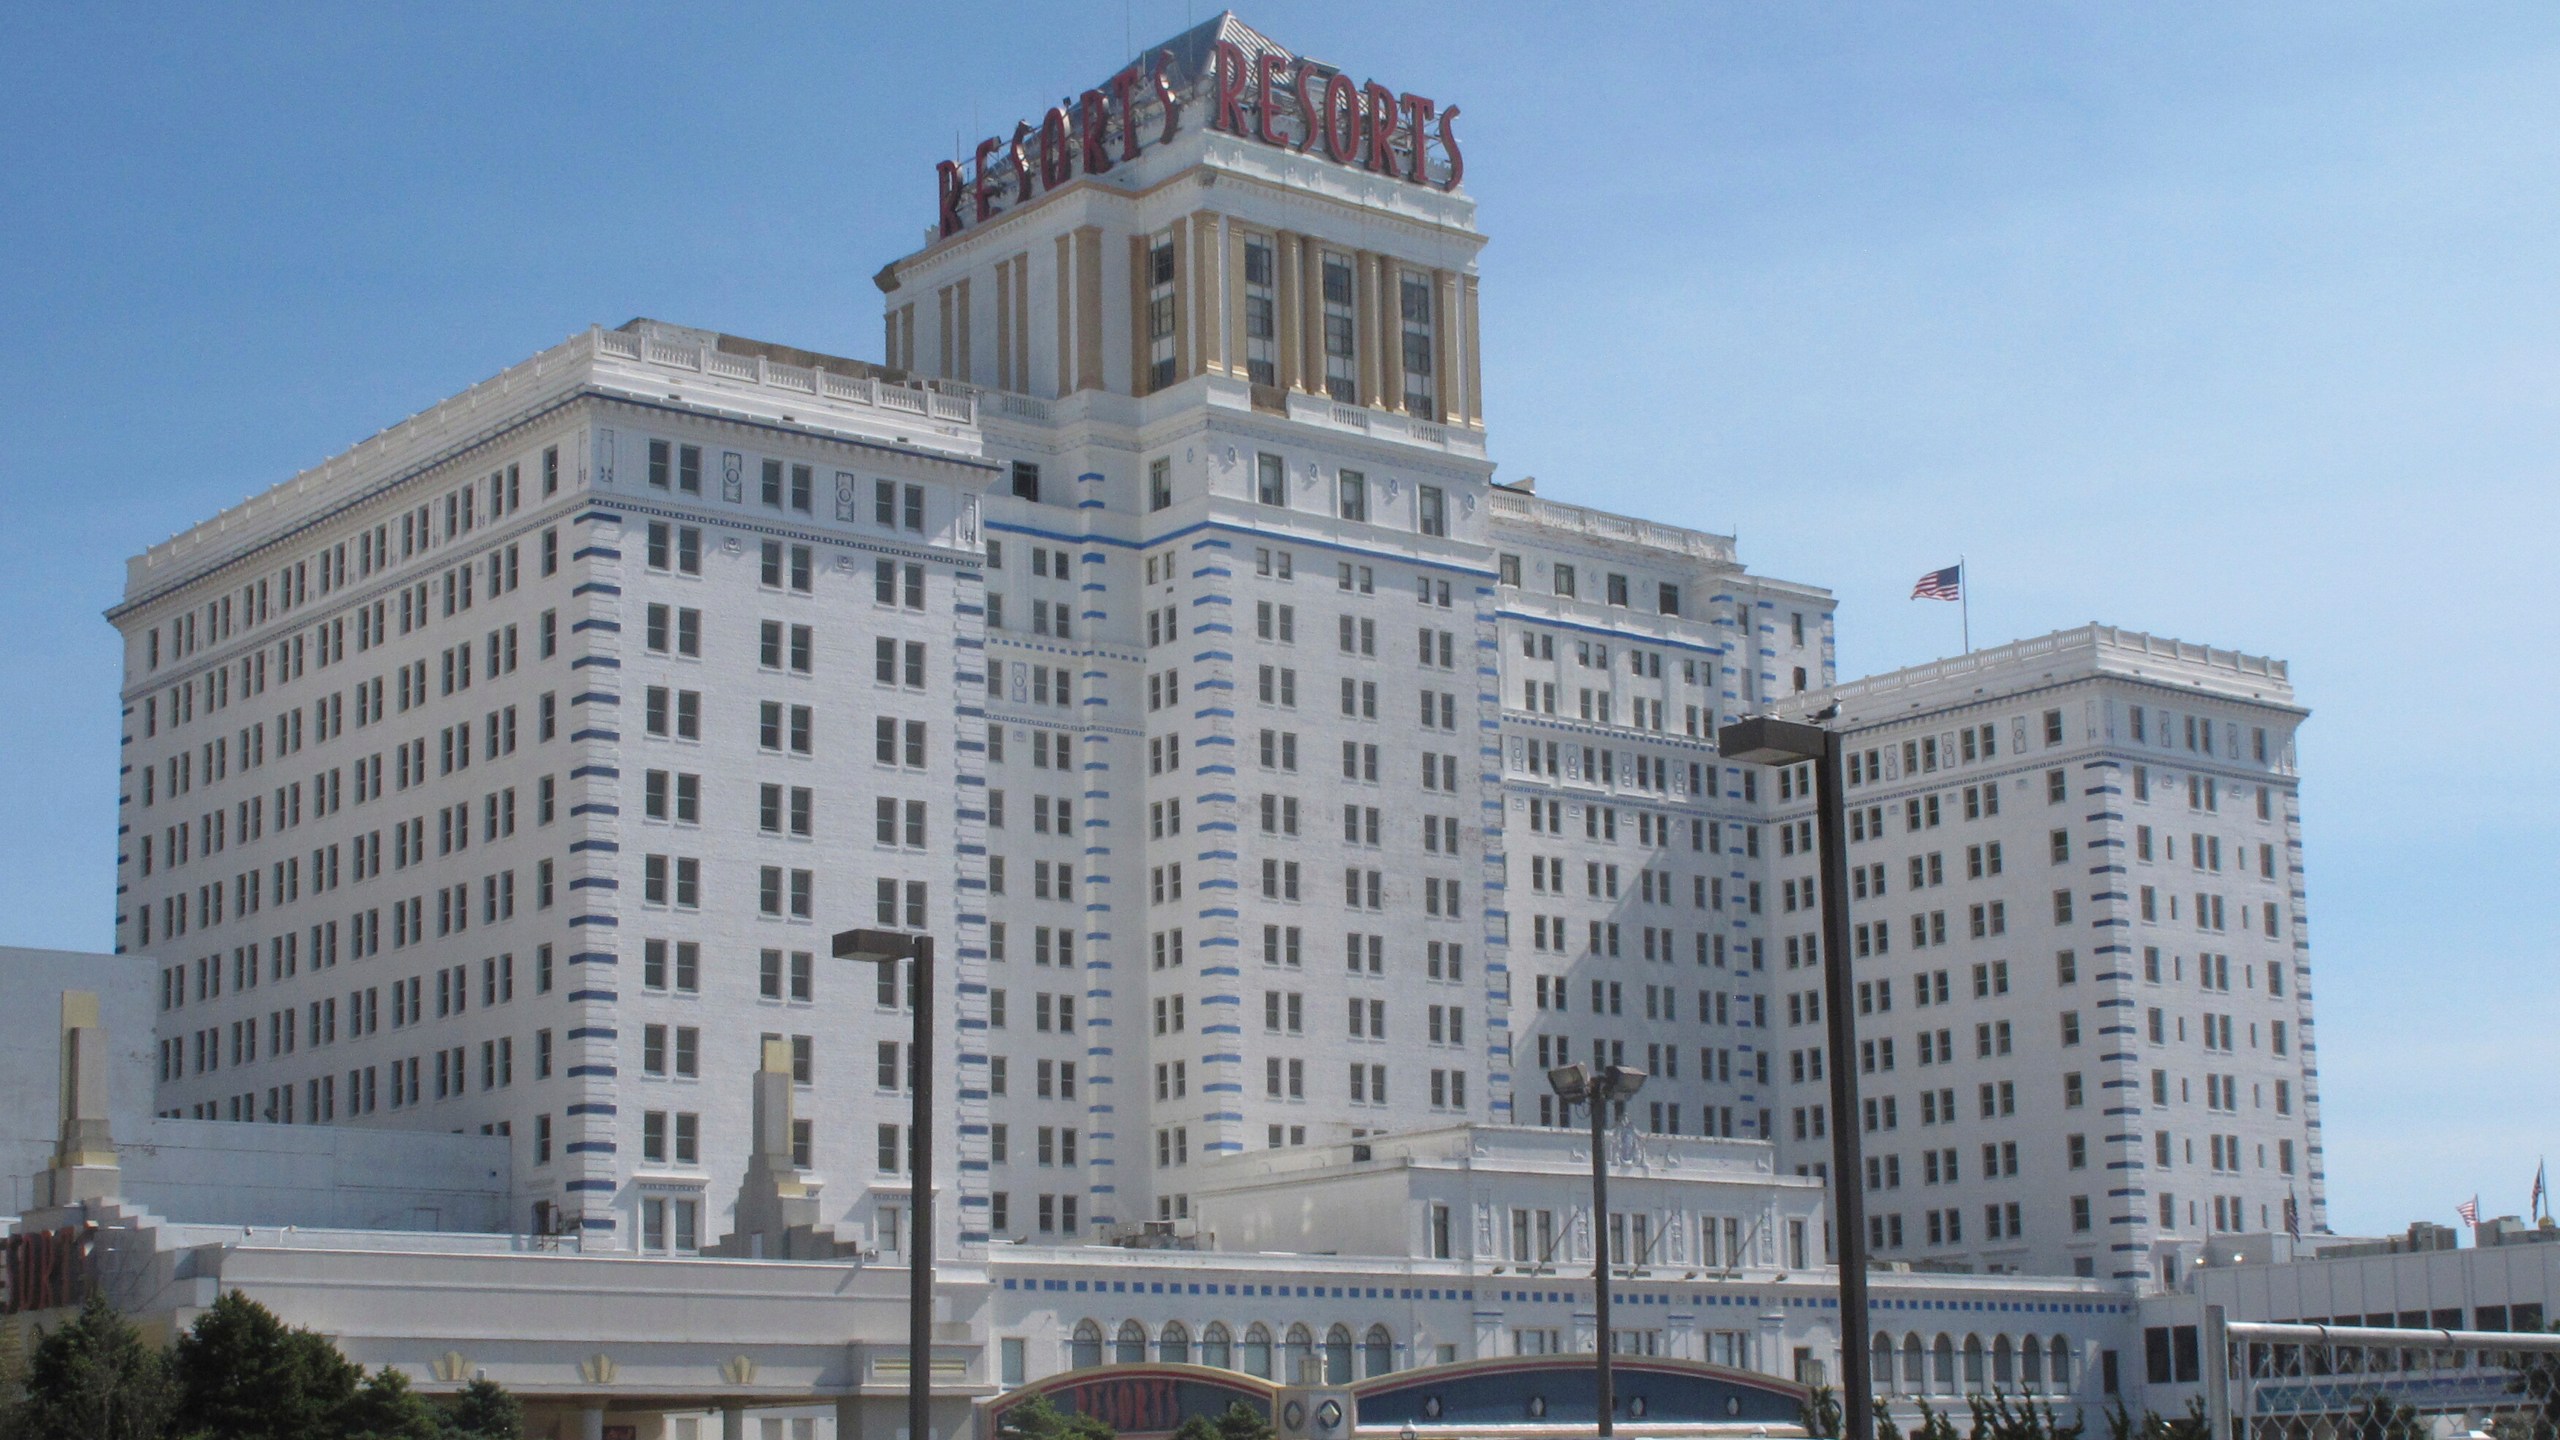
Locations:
{"points": [[221, 1173]]}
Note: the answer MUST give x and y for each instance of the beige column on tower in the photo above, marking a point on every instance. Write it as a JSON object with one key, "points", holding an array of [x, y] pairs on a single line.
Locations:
{"points": [[1138, 315], [1022, 321], [1364, 325], [942, 355], [1444, 354], [1231, 295], [1470, 340], [1311, 314], [1065, 290], [1289, 311], [1088, 331], [1004, 326], [1204, 294]]}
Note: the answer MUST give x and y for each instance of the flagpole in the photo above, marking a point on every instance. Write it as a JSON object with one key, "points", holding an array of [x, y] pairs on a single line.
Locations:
{"points": [[1964, 601]]}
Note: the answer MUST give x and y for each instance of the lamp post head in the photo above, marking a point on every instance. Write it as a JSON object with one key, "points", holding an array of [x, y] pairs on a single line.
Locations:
{"points": [[1619, 1082], [881, 945], [1572, 1083], [1768, 740]]}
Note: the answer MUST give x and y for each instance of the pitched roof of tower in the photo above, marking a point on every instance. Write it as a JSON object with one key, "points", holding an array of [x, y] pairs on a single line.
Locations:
{"points": [[1193, 48]]}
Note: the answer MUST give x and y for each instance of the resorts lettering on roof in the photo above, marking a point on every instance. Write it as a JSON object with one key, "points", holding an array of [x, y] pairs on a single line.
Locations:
{"points": [[1283, 101]]}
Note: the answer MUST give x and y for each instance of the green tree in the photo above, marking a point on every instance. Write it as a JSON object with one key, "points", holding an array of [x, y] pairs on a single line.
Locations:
{"points": [[93, 1378], [1886, 1429], [243, 1375], [2121, 1424], [1037, 1419], [2537, 1379], [484, 1411], [1240, 1422], [385, 1408], [1820, 1412], [2380, 1417], [1933, 1425]]}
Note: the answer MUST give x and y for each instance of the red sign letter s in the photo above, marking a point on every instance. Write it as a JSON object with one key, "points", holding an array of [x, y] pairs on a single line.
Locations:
{"points": [[1057, 149], [1166, 96], [1311, 106], [1449, 143]]}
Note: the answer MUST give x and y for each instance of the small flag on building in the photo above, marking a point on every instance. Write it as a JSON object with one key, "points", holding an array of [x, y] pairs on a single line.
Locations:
{"points": [[2292, 1217], [2469, 1210], [1947, 584], [2541, 1202]]}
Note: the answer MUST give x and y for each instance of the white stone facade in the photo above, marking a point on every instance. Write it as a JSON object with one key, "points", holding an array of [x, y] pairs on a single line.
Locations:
{"points": [[2115, 1035], [1276, 778]]}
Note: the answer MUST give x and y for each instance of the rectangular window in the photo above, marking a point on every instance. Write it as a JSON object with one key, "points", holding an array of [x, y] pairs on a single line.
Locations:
{"points": [[1341, 331], [1352, 491], [1261, 334], [1414, 311]]}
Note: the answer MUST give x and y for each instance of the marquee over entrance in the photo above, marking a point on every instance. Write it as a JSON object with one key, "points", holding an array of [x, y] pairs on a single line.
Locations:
{"points": [[1524, 1395]]}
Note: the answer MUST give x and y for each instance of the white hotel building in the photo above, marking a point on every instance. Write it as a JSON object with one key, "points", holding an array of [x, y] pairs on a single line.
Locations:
{"points": [[1153, 628]]}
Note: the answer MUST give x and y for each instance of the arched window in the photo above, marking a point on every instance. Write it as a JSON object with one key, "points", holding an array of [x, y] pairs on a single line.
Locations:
{"points": [[1131, 1348], [1297, 1356], [2058, 1368], [1257, 1350], [1214, 1349], [1377, 1351], [1173, 1345], [1086, 1349], [1942, 1366], [2004, 1362], [1915, 1363], [2030, 1363], [1337, 1355], [1973, 1362], [1884, 1362]]}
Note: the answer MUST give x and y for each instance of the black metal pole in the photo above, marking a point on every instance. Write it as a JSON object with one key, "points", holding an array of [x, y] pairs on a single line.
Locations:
{"points": [[1600, 1247], [1848, 1178], [920, 1206]]}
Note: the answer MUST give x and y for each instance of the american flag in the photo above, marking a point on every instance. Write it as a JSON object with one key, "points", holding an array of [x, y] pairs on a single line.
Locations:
{"points": [[1947, 584], [2469, 1210], [2292, 1216]]}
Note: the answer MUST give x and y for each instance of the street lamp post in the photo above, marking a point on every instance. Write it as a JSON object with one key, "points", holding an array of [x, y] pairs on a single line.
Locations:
{"points": [[1581, 1085], [890, 947], [1767, 740]]}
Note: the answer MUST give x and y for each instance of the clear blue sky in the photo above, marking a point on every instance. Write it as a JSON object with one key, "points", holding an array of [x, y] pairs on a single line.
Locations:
{"points": [[2233, 323]]}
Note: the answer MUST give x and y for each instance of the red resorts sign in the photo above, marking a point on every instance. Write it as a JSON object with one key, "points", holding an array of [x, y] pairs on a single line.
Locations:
{"points": [[1289, 104]]}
